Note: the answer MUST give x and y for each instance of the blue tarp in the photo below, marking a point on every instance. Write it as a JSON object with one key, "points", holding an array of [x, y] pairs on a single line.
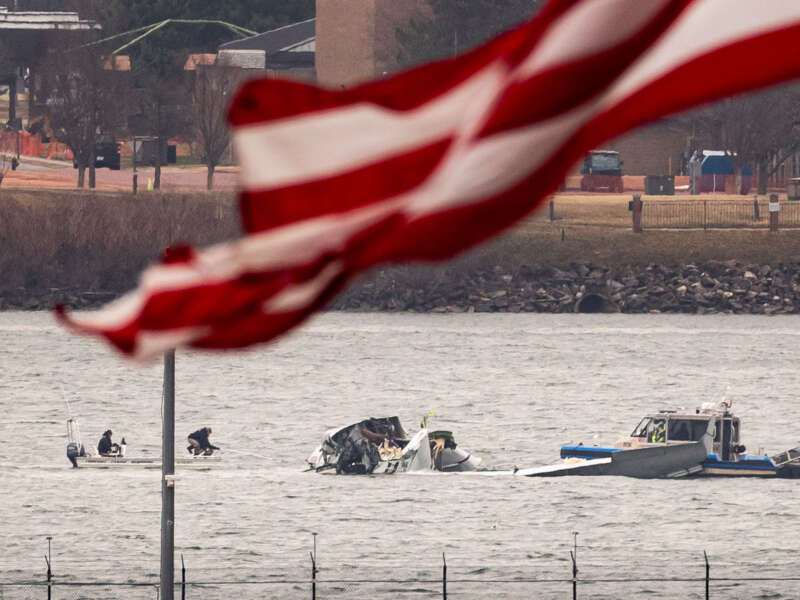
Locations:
{"points": [[720, 165]]}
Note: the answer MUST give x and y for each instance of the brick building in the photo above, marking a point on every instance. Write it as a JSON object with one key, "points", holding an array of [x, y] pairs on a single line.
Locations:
{"points": [[355, 39]]}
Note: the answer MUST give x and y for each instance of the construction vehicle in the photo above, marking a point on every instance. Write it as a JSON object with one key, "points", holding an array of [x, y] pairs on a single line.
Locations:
{"points": [[602, 170]]}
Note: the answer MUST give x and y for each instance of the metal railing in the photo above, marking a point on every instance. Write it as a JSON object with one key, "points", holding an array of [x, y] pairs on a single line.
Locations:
{"points": [[715, 214]]}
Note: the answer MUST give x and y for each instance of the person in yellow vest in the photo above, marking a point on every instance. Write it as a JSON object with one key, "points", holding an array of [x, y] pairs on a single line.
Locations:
{"points": [[658, 434]]}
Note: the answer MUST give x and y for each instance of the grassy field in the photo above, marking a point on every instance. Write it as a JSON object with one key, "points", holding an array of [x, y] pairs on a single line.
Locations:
{"points": [[102, 240], [598, 229]]}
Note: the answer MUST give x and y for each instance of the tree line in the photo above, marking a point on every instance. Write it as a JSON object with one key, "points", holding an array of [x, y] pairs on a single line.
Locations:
{"points": [[81, 91]]}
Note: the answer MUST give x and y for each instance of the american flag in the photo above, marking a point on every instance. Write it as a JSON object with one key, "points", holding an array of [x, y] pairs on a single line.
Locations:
{"points": [[431, 161]]}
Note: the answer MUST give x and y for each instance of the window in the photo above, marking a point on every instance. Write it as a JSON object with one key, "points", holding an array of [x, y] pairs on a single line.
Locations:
{"points": [[641, 428]]}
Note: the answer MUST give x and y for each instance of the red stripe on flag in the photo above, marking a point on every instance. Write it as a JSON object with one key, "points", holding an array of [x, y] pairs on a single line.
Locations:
{"points": [[263, 100], [563, 87], [273, 208]]}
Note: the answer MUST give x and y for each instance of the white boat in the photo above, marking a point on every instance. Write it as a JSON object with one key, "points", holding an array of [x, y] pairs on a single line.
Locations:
{"points": [[81, 459], [107, 462], [668, 433], [382, 446]]}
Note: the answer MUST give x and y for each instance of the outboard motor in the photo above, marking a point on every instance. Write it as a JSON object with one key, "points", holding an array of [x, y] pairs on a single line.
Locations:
{"points": [[73, 452], [74, 446]]}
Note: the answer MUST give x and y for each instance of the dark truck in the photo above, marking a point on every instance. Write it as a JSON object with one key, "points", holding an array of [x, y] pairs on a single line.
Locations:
{"points": [[106, 153], [602, 170]]}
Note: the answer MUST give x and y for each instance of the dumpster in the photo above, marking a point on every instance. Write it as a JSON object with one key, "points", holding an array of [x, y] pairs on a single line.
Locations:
{"points": [[659, 185]]}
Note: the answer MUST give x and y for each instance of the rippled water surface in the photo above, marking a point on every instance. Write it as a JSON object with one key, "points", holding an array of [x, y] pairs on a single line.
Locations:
{"points": [[512, 388]]}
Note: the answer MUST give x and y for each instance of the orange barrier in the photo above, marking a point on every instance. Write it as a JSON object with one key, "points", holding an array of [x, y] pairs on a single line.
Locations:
{"points": [[29, 145], [58, 151]]}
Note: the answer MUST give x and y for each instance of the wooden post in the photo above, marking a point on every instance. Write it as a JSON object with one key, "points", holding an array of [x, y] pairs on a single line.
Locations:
{"points": [[755, 207], [637, 213], [774, 209]]}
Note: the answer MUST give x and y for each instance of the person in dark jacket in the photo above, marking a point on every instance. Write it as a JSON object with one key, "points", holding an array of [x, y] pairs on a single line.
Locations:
{"points": [[198, 442], [105, 446]]}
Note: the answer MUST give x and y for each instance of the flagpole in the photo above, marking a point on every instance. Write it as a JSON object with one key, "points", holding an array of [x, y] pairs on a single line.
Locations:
{"points": [[167, 584]]}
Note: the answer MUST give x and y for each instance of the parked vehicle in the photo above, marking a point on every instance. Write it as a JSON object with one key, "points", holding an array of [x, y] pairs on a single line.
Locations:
{"points": [[602, 170], [106, 151]]}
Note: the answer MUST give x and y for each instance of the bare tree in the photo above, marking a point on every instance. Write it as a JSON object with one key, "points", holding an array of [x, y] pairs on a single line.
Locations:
{"points": [[8, 156], [81, 94], [212, 88], [760, 130]]}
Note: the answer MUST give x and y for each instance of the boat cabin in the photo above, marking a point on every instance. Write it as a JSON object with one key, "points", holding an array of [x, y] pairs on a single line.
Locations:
{"points": [[670, 426]]}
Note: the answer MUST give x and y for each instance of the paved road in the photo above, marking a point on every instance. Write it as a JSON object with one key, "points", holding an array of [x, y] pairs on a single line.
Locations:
{"points": [[50, 174]]}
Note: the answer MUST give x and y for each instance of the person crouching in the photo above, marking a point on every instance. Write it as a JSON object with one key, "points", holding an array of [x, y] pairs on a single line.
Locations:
{"points": [[199, 444]]}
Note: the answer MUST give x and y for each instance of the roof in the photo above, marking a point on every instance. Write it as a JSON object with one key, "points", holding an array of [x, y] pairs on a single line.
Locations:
{"points": [[297, 37], [27, 20]]}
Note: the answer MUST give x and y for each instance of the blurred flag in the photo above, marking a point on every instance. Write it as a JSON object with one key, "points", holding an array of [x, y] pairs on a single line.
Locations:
{"points": [[427, 163]]}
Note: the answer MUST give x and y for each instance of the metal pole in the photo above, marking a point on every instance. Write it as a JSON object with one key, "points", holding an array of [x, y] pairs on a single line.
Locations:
{"points": [[552, 209], [314, 570], [313, 577], [183, 579], [49, 571], [168, 479], [708, 568], [574, 556], [444, 577], [755, 206]]}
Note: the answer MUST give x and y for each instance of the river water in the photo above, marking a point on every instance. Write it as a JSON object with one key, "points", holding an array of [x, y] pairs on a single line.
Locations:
{"points": [[512, 388]]}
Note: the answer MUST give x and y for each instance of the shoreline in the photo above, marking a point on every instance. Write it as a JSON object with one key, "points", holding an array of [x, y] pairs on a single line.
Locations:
{"points": [[727, 287]]}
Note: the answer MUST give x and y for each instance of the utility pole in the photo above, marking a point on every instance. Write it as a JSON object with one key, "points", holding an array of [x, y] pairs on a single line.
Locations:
{"points": [[167, 583]]}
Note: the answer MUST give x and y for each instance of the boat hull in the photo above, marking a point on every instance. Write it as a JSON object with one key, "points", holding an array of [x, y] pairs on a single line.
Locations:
{"points": [[117, 462], [676, 460], [712, 466]]}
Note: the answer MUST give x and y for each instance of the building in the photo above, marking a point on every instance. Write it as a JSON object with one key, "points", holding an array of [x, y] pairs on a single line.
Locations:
{"points": [[356, 38], [24, 33], [287, 51]]}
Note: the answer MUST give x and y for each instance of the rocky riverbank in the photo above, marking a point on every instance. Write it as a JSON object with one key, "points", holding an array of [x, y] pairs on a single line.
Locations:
{"points": [[714, 287]]}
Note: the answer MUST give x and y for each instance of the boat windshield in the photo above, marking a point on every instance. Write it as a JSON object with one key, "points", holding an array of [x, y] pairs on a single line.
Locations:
{"points": [[688, 430], [641, 428]]}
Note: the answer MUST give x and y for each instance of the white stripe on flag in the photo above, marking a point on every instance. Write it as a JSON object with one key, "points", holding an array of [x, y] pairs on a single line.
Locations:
{"points": [[150, 344], [596, 24], [325, 143], [302, 295], [702, 28]]}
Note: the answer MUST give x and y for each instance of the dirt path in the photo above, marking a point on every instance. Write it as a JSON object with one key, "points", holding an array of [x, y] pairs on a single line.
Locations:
{"points": [[172, 178]]}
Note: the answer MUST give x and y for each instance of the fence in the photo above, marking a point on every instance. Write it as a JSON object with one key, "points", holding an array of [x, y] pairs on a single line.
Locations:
{"points": [[570, 580], [719, 214]]}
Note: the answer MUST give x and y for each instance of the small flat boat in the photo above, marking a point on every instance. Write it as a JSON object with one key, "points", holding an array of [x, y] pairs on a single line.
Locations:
{"points": [[726, 456], [382, 446], [80, 458]]}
